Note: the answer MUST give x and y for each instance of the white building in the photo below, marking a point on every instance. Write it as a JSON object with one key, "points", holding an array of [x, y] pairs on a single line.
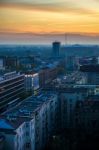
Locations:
{"points": [[17, 136], [31, 82]]}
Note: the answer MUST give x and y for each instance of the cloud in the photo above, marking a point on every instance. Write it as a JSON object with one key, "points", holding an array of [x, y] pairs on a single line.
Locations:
{"points": [[48, 16], [52, 6]]}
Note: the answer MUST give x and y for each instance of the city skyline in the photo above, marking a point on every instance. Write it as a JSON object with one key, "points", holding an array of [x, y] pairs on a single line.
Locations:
{"points": [[48, 17]]}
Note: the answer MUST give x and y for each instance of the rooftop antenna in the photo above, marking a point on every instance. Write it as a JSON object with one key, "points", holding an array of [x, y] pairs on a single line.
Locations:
{"points": [[65, 39]]}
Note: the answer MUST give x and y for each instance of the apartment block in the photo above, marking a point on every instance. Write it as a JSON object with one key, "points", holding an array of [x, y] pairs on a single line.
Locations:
{"points": [[30, 124]]}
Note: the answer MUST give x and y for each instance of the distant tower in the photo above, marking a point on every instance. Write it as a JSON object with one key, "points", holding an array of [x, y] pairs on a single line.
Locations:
{"points": [[56, 48], [65, 39]]}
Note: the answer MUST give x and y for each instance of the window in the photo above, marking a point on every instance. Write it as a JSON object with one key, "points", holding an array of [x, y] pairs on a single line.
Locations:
{"points": [[28, 145], [27, 133], [27, 124]]}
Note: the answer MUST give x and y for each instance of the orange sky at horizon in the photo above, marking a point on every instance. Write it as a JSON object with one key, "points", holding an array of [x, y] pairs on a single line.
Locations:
{"points": [[31, 16]]}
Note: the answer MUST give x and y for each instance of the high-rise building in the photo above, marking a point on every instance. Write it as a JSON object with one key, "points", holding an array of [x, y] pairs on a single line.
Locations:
{"points": [[11, 85], [56, 49]]}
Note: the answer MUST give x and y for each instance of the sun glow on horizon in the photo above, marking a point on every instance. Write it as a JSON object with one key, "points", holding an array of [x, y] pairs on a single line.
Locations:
{"points": [[53, 17]]}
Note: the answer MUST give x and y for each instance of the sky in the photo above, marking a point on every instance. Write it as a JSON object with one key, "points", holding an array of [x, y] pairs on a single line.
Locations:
{"points": [[34, 18]]}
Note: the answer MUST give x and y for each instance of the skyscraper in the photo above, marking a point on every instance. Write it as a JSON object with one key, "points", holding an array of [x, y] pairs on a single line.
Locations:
{"points": [[56, 48]]}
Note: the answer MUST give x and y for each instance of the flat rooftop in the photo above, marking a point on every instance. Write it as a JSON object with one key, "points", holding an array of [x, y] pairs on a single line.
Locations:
{"points": [[9, 76], [25, 110], [29, 105]]}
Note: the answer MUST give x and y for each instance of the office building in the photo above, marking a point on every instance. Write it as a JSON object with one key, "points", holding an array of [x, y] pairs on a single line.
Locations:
{"points": [[32, 82], [56, 49], [11, 86]]}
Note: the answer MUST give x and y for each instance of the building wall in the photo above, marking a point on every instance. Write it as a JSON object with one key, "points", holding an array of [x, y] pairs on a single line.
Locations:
{"points": [[10, 88], [47, 75], [19, 140], [9, 141], [93, 78], [68, 103], [87, 115], [2, 142], [2, 64], [29, 135], [31, 82]]}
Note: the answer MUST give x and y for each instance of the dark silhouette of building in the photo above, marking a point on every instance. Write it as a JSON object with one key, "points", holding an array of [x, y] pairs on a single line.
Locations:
{"points": [[10, 62], [56, 49]]}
